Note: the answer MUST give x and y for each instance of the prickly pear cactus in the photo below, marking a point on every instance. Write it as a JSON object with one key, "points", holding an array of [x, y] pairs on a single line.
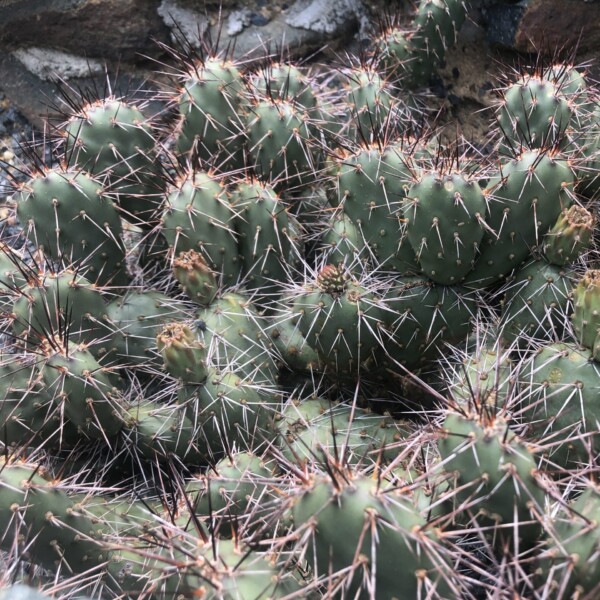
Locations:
{"points": [[113, 137], [567, 565], [524, 200], [209, 105], [69, 214], [62, 303], [381, 530], [585, 318], [560, 385], [496, 476], [571, 236], [445, 216], [284, 340], [198, 216], [340, 319], [534, 114], [279, 142]]}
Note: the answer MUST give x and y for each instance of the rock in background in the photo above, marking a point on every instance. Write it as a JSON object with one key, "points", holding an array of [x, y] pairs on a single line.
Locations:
{"points": [[544, 25], [80, 41]]}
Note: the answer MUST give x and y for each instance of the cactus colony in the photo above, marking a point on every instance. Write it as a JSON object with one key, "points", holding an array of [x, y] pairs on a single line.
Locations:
{"points": [[281, 343]]}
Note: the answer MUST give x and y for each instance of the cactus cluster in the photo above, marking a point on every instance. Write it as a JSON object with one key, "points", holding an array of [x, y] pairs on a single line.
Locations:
{"points": [[279, 341]]}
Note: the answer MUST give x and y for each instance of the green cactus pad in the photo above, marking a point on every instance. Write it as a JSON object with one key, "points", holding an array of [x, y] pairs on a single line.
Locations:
{"points": [[195, 277], [381, 530], [445, 217], [284, 81], [28, 413], [524, 201], [236, 338], [536, 303], [279, 134], [113, 137], [419, 317], [342, 244], [134, 321], [340, 319], [198, 216], [413, 55], [183, 352], [567, 565], [235, 493], [49, 528], [161, 431], [534, 114], [85, 392], [68, 214], [313, 428], [264, 240], [370, 185], [289, 346], [59, 303], [571, 236], [559, 402], [210, 107], [586, 313], [369, 100], [485, 377], [495, 476], [229, 412]]}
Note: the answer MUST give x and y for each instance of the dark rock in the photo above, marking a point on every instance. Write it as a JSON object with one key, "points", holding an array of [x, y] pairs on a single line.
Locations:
{"points": [[41, 41], [550, 24], [488, 86], [109, 29], [11, 122], [543, 25], [437, 87], [502, 21], [454, 99], [258, 20]]}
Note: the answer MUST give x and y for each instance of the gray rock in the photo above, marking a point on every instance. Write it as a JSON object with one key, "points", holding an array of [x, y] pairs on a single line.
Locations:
{"points": [[182, 21], [49, 64], [237, 21], [324, 16], [19, 591], [305, 26], [252, 41], [37, 98], [212, 5]]}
